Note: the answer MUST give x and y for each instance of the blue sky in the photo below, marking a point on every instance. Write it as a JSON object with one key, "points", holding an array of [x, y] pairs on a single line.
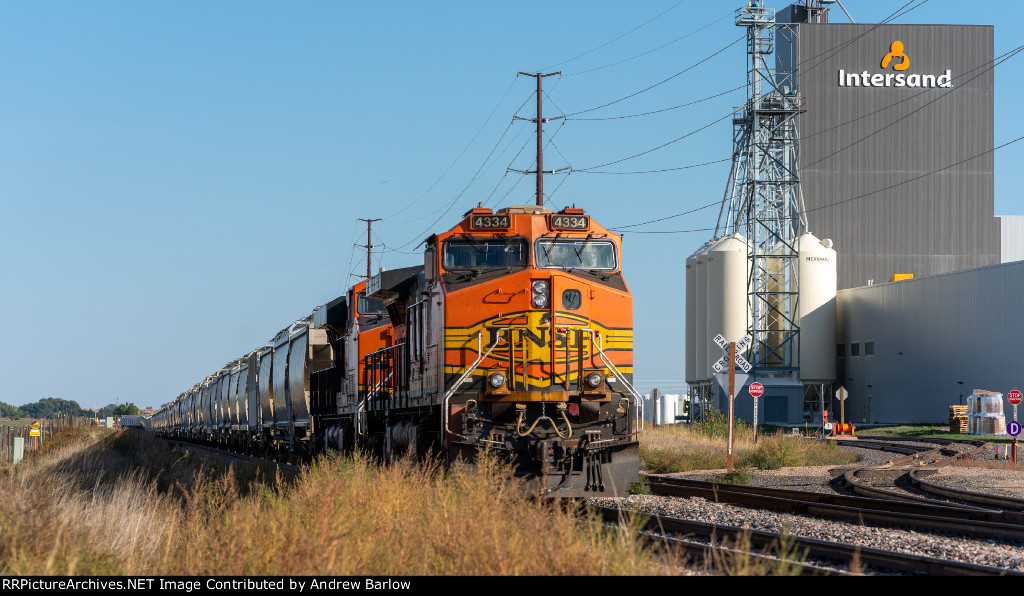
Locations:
{"points": [[181, 180]]}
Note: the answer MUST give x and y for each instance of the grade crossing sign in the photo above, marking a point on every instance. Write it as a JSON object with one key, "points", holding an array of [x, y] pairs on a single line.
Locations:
{"points": [[723, 363]]}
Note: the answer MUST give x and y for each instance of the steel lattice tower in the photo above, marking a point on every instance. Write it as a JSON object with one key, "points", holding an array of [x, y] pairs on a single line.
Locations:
{"points": [[763, 200]]}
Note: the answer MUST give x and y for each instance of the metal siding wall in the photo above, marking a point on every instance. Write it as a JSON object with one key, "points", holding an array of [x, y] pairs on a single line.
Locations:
{"points": [[1011, 238], [961, 326], [943, 222]]}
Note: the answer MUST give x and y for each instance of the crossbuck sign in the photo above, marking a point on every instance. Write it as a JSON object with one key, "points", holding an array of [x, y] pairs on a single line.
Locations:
{"points": [[741, 346]]}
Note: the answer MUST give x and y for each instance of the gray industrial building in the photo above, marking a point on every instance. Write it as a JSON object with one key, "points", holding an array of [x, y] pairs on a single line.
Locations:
{"points": [[896, 168], [896, 162], [911, 348]]}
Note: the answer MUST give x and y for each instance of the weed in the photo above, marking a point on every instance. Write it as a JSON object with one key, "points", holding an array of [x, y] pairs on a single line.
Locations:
{"points": [[680, 448], [737, 476], [123, 503]]}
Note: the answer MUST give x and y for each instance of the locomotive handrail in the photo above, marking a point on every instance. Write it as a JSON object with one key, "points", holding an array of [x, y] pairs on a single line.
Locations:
{"points": [[596, 342], [370, 393], [448, 394]]}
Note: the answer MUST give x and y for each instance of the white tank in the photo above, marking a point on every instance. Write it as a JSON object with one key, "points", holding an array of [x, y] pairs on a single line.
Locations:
{"points": [[667, 408], [691, 315], [726, 295], [701, 313], [818, 282]]}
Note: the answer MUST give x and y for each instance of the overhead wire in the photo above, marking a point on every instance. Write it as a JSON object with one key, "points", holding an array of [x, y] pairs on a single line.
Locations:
{"points": [[662, 146], [607, 43], [659, 83], [676, 169], [903, 10], [683, 105], [462, 153], [678, 39], [942, 96], [830, 205], [987, 66], [915, 178]]}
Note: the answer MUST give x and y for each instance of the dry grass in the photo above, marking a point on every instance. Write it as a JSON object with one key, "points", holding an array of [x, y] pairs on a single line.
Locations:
{"points": [[119, 503], [679, 448]]}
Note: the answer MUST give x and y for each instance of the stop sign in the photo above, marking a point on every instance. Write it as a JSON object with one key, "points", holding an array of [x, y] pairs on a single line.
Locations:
{"points": [[1014, 396], [756, 389]]}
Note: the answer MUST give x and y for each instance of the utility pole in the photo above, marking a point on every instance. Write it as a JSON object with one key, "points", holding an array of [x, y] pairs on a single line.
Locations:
{"points": [[540, 136], [368, 246]]}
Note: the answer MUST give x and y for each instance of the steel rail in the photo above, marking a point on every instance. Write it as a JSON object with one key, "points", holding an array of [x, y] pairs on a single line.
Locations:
{"points": [[844, 553], [867, 503], [851, 481], [1002, 501], [930, 521], [699, 551]]}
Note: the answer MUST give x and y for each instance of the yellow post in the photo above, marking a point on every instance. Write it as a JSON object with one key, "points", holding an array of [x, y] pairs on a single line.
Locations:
{"points": [[33, 431]]}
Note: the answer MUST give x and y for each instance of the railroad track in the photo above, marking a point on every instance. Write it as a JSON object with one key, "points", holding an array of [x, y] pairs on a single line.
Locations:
{"points": [[823, 557], [227, 455], [929, 517], [917, 479], [875, 481]]}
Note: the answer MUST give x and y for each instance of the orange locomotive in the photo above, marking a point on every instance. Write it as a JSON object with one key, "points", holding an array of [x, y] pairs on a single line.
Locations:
{"points": [[515, 336]]}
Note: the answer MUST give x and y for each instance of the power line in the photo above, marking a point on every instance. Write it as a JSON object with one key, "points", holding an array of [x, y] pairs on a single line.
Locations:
{"points": [[634, 29], [662, 82], [662, 146], [689, 167], [990, 65], [916, 178], [678, 39], [830, 205], [912, 112], [683, 105], [668, 217], [468, 145]]}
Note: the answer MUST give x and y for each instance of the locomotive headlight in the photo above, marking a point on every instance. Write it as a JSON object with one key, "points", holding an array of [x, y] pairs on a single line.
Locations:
{"points": [[594, 380], [540, 293], [497, 380]]}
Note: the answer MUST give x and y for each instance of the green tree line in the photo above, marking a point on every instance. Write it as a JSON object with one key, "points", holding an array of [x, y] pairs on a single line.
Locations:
{"points": [[51, 407]]}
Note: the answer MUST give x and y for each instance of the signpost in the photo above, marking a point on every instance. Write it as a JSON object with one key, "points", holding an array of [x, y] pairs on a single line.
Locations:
{"points": [[756, 391], [34, 430], [1013, 427], [732, 359]]}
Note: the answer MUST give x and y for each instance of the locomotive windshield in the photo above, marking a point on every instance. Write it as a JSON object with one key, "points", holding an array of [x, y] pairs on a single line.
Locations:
{"points": [[489, 253], [576, 254], [371, 306]]}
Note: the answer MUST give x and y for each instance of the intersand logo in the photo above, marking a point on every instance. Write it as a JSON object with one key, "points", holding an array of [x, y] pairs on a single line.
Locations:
{"points": [[899, 60]]}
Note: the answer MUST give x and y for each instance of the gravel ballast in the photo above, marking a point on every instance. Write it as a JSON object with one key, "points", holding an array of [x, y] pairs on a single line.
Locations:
{"points": [[995, 553]]}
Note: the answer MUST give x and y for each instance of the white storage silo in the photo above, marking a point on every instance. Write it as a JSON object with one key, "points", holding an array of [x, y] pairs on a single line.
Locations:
{"points": [[727, 267], [701, 313], [667, 408], [670, 408], [817, 310], [691, 315]]}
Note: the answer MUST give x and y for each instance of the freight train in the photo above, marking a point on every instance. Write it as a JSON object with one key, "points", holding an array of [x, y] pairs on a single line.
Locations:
{"points": [[515, 337]]}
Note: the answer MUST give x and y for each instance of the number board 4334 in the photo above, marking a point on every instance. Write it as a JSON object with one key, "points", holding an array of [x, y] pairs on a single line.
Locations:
{"points": [[570, 222], [490, 222]]}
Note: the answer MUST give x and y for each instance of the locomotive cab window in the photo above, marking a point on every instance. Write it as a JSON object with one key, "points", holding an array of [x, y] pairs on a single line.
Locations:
{"points": [[572, 299], [576, 254], [485, 253], [371, 306]]}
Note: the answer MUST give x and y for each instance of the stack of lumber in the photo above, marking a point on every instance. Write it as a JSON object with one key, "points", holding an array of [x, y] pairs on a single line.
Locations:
{"points": [[958, 419]]}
